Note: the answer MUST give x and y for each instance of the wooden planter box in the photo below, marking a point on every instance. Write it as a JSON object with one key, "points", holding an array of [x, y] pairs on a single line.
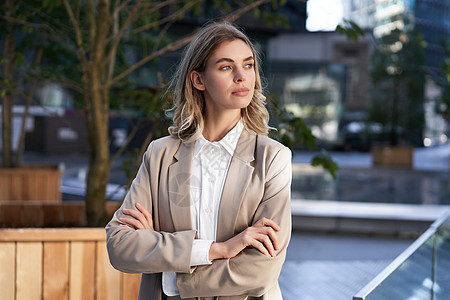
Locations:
{"points": [[14, 214], [30, 183], [59, 264], [393, 156]]}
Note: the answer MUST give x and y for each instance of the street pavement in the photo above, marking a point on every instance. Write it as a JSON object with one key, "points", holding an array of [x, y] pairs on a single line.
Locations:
{"points": [[323, 266]]}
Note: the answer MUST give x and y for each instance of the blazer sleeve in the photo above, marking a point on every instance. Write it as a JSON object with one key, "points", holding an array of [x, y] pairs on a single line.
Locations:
{"points": [[251, 272], [146, 251]]}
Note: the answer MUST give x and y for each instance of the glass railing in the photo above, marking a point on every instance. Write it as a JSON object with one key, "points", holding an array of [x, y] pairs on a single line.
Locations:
{"points": [[421, 272]]}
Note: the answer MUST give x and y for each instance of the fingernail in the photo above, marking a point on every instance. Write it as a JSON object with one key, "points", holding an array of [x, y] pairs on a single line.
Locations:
{"points": [[278, 227]]}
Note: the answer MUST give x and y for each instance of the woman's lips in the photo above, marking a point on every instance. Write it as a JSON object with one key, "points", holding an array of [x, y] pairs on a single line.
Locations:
{"points": [[242, 92]]}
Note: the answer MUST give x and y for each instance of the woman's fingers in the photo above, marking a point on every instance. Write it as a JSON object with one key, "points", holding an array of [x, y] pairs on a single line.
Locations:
{"points": [[134, 223], [272, 227], [266, 242], [262, 238], [259, 246], [141, 218], [146, 214], [267, 222]]}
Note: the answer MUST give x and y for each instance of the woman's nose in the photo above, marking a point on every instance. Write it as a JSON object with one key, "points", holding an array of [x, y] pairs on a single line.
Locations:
{"points": [[240, 75]]}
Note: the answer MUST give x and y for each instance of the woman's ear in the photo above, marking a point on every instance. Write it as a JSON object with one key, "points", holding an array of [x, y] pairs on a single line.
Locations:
{"points": [[197, 80]]}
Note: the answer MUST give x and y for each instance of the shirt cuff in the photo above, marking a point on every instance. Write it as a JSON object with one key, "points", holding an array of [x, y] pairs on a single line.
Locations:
{"points": [[200, 252]]}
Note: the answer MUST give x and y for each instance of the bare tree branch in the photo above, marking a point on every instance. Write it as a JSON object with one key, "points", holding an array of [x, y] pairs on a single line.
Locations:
{"points": [[130, 136], [152, 7], [118, 37], [180, 43], [78, 10], [238, 13], [29, 99], [113, 52], [170, 47], [72, 85], [30, 24], [92, 25], [169, 18], [161, 34], [56, 24], [122, 6], [77, 29]]}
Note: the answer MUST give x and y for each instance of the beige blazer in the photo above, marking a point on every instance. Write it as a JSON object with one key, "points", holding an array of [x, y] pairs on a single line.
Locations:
{"points": [[257, 185]]}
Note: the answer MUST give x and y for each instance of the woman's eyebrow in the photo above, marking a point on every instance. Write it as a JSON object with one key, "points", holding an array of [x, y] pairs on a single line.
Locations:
{"points": [[230, 60]]}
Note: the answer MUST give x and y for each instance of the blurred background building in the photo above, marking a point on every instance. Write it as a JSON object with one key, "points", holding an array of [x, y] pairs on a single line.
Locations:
{"points": [[317, 73]]}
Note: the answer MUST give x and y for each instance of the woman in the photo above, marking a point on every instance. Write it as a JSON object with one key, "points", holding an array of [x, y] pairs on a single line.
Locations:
{"points": [[208, 214]]}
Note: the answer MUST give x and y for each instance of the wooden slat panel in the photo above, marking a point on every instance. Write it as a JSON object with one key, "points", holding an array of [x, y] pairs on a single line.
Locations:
{"points": [[32, 215], [55, 235], [11, 215], [30, 184], [16, 187], [56, 270], [42, 186], [74, 213], [108, 279], [130, 284], [55, 193], [5, 187], [29, 271], [8, 270], [51, 215], [82, 271]]}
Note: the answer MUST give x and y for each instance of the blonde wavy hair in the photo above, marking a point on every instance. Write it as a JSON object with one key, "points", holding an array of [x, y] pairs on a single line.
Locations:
{"points": [[189, 103]]}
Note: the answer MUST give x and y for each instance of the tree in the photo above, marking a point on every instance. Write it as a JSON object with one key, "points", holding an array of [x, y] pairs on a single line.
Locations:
{"points": [[398, 77], [8, 66], [18, 78], [85, 45], [91, 37]]}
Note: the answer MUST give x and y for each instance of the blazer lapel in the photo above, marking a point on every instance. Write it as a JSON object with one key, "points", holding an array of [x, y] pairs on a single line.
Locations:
{"points": [[179, 187], [236, 182]]}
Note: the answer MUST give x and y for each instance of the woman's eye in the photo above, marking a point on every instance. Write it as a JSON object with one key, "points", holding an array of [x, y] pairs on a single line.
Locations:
{"points": [[249, 66], [225, 68]]}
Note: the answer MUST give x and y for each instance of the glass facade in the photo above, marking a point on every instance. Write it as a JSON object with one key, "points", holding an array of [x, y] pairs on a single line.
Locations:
{"points": [[383, 16], [313, 91], [433, 19]]}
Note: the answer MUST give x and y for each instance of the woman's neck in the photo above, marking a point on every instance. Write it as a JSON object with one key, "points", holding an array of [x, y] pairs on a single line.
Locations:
{"points": [[218, 126]]}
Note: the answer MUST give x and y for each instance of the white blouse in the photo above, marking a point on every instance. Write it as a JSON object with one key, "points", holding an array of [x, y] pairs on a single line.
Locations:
{"points": [[208, 172]]}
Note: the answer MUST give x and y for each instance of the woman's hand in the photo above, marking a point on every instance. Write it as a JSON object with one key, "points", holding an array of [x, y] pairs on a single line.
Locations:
{"points": [[141, 218], [260, 236]]}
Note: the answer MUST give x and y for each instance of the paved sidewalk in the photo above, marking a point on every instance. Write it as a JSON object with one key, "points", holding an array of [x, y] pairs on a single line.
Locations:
{"points": [[335, 266]]}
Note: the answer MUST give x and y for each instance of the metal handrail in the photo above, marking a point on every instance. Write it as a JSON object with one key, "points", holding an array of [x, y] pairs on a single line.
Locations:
{"points": [[405, 255]]}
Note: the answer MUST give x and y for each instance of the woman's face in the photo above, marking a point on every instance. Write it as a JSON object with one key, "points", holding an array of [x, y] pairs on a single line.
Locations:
{"points": [[228, 81]]}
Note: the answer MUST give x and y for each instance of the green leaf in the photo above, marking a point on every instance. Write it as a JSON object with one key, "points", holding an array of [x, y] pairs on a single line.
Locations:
{"points": [[256, 13], [350, 29], [274, 4], [20, 58], [324, 160]]}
